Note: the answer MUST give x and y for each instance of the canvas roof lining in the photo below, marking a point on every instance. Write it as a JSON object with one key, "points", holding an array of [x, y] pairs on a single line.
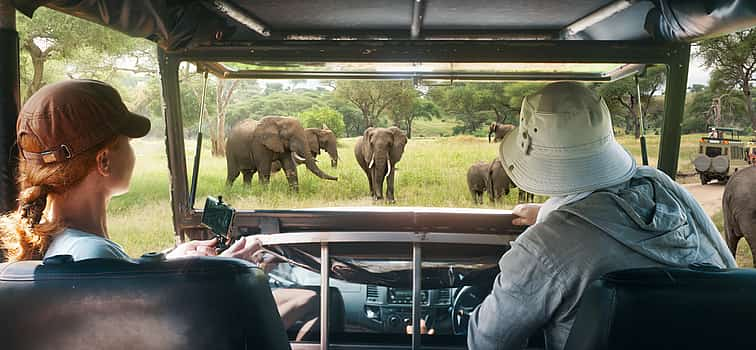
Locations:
{"points": [[179, 25]]}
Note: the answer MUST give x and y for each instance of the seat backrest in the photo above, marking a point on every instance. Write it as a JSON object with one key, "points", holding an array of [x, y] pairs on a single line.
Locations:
{"points": [[668, 308], [196, 303]]}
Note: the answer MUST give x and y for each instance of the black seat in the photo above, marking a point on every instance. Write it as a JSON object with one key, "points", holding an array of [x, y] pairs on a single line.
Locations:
{"points": [[197, 303], [668, 308]]}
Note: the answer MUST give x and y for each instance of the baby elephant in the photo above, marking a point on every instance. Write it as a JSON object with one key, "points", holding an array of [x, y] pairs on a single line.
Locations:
{"points": [[739, 209], [487, 177]]}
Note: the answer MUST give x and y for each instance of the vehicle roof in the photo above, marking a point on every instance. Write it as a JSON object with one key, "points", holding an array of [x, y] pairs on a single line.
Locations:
{"points": [[179, 25], [722, 128]]}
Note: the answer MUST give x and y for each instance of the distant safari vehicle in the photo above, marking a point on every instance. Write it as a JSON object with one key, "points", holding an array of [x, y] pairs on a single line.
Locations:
{"points": [[720, 156], [750, 150]]}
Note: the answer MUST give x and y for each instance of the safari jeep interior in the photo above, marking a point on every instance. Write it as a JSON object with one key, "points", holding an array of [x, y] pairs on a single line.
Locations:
{"points": [[375, 270]]}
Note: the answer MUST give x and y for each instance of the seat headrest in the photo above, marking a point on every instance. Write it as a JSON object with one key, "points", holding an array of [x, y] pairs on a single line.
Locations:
{"points": [[147, 304], [668, 308]]}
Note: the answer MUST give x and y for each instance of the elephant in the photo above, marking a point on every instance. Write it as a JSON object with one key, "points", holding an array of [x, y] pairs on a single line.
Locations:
{"points": [[318, 139], [253, 146], [739, 210], [499, 180], [478, 180], [500, 130], [488, 177], [377, 152]]}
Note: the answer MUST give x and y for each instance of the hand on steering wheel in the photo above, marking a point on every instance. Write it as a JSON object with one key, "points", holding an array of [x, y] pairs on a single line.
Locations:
{"points": [[424, 327]]}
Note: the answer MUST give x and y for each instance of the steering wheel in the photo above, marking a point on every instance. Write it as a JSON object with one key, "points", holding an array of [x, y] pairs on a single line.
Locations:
{"points": [[467, 298]]}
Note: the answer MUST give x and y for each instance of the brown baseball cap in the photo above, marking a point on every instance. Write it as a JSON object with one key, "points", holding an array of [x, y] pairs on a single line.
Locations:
{"points": [[72, 116]]}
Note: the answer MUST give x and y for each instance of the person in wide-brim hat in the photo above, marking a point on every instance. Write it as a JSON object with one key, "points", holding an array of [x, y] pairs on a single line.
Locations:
{"points": [[603, 214]]}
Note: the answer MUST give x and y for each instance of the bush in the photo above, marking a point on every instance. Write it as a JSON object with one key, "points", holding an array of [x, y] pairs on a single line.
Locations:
{"points": [[316, 117]]}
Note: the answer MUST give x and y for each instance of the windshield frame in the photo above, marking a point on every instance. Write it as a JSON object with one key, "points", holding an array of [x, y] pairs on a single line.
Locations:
{"points": [[675, 56]]}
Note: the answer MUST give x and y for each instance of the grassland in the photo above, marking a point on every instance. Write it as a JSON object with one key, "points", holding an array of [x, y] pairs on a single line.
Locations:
{"points": [[431, 174]]}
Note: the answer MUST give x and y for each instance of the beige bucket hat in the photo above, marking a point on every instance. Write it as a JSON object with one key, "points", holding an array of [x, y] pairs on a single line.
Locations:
{"points": [[564, 144]]}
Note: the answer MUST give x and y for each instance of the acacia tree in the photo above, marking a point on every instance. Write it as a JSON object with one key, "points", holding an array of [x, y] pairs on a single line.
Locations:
{"points": [[54, 35], [409, 107], [372, 98], [622, 96], [733, 58]]}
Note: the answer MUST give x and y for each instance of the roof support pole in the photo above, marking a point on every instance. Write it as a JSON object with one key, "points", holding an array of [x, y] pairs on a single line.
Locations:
{"points": [[594, 17], [674, 106], [174, 141], [417, 298], [10, 101], [325, 275], [417, 18]]}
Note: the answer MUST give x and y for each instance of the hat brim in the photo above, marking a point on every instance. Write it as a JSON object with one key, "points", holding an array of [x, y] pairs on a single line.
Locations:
{"points": [[135, 126], [561, 177]]}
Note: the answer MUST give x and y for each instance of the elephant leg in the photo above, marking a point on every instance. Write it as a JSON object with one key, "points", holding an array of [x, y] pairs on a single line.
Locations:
{"points": [[390, 186], [290, 169], [369, 175], [264, 172], [233, 173], [247, 176]]}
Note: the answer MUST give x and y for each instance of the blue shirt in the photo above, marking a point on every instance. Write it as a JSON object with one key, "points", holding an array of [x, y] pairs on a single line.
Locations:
{"points": [[83, 245]]}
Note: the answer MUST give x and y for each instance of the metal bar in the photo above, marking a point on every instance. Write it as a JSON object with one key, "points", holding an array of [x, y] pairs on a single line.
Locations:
{"points": [[457, 76], [174, 142], [428, 34], [9, 106], [325, 273], [417, 19], [644, 150], [198, 150], [594, 17], [241, 16], [440, 220], [573, 51], [674, 106], [390, 237], [417, 278]]}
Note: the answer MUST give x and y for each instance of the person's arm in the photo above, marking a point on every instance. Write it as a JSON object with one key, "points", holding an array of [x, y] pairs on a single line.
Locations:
{"points": [[524, 296]]}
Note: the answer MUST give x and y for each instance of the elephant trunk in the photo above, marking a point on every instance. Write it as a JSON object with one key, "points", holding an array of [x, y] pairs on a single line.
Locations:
{"points": [[380, 166], [311, 166], [489, 135]]}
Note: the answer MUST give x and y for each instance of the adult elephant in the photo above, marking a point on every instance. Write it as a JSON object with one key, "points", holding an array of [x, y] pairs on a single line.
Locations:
{"points": [[254, 146], [318, 139], [499, 130], [739, 210], [488, 177], [377, 151]]}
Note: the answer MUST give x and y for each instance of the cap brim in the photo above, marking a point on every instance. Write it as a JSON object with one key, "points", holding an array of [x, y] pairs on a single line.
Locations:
{"points": [[135, 126], [561, 177]]}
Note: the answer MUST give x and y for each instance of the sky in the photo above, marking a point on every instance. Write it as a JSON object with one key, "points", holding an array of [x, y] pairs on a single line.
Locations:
{"points": [[697, 73]]}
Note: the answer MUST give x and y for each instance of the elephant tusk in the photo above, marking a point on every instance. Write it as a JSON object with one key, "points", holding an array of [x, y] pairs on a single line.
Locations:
{"points": [[372, 161], [299, 158], [389, 167]]}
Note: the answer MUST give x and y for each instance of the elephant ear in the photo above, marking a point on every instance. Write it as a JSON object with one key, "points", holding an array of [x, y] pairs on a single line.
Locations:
{"points": [[313, 140], [400, 141], [367, 150], [271, 137]]}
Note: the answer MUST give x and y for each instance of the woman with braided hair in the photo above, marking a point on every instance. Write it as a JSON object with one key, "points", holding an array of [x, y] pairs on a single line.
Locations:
{"points": [[73, 139]]}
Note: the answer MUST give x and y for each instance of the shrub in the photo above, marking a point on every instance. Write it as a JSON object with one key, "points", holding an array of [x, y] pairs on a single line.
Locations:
{"points": [[316, 117]]}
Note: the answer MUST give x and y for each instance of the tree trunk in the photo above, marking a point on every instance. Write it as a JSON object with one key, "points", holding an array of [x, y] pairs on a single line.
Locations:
{"points": [[38, 58], [222, 98], [749, 104]]}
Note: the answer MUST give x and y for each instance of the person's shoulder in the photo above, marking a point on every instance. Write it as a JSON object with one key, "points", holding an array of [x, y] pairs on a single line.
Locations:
{"points": [[83, 245]]}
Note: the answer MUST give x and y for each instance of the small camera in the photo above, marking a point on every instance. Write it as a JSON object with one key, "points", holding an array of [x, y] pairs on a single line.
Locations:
{"points": [[218, 216]]}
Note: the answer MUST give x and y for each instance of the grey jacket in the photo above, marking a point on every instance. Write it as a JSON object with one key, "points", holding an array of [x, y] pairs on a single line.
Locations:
{"points": [[645, 222]]}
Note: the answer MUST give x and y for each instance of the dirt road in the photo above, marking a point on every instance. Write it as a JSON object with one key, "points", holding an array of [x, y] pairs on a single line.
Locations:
{"points": [[709, 196]]}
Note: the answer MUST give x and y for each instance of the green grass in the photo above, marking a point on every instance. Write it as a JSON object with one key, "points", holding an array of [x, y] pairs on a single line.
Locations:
{"points": [[432, 173]]}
